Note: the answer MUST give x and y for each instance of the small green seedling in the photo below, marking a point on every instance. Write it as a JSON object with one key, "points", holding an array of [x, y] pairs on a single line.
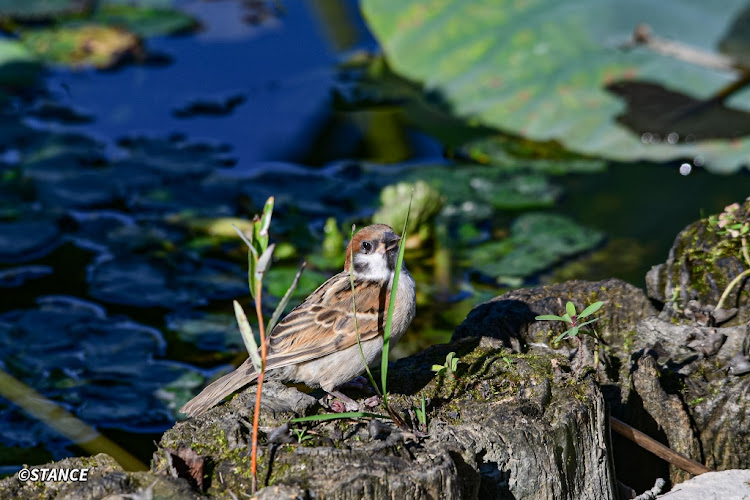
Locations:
{"points": [[733, 223], [450, 366], [422, 415], [508, 361], [572, 318], [302, 435]]}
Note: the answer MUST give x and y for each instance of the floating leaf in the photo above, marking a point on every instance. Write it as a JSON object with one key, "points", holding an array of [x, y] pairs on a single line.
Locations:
{"points": [[85, 45], [537, 241], [548, 70], [18, 66], [145, 21]]}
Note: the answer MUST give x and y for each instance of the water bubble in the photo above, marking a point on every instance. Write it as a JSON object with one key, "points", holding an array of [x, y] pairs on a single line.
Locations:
{"points": [[686, 168], [698, 161], [468, 206], [646, 138], [673, 137]]}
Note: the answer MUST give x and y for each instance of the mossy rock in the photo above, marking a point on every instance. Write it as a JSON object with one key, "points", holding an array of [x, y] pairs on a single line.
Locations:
{"points": [[511, 319], [701, 264]]}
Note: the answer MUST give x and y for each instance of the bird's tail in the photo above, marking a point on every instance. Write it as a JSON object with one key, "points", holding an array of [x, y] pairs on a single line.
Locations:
{"points": [[218, 390]]}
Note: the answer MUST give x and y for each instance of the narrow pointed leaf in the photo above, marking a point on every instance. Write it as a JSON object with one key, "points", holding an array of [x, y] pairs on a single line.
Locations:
{"points": [[247, 335], [394, 289], [285, 300], [587, 322], [549, 317], [591, 309], [567, 318], [262, 225], [570, 309], [264, 262], [252, 257], [334, 416], [244, 237]]}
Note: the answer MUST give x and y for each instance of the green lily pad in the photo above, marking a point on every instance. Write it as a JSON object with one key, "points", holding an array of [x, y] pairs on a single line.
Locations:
{"points": [[514, 154], [39, 10], [537, 242], [26, 240], [94, 45], [475, 191], [72, 352], [145, 21], [207, 331], [18, 66], [549, 70], [144, 283], [17, 276]]}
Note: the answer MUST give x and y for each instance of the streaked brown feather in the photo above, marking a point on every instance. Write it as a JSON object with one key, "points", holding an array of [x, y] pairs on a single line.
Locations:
{"points": [[324, 322]]}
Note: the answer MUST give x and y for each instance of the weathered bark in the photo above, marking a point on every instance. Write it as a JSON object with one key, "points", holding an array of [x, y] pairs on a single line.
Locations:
{"points": [[505, 426], [510, 318]]}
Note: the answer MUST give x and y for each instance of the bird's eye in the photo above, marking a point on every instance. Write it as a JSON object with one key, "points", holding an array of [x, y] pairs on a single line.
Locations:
{"points": [[366, 246]]}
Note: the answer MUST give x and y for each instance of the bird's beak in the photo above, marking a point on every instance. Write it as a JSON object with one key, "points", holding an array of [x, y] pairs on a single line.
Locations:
{"points": [[391, 242]]}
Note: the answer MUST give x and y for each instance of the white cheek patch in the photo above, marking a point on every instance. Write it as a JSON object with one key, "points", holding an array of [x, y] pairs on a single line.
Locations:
{"points": [[373, 267]]}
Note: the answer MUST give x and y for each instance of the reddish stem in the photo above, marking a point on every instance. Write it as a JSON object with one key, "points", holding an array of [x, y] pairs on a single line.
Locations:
{"points": [[256, 413]]}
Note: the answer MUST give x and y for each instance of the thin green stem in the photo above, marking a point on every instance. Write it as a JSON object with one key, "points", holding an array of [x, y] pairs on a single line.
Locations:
{"points": [[391, 306], [356, 325], [730, 286]]}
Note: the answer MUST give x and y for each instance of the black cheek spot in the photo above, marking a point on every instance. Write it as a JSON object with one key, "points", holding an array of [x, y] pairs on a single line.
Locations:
{"points": [[361, 267], [391, 258]]}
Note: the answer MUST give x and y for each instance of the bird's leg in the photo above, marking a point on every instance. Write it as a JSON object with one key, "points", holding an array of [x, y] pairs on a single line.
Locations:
{"points": [[360, 383]]}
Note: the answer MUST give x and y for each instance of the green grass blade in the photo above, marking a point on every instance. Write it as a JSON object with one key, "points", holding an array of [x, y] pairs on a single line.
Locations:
{"points": [[389, 319], [285, 300], [247, 335], [549, 317], [356, 324], [334, 416]]}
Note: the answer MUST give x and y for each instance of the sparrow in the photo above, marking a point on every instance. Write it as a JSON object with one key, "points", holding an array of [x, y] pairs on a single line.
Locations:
{"points": [[316, 343]]}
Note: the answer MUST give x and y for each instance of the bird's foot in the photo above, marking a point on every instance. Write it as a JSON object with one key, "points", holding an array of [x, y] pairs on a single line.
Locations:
{"points": [[341, 402], [372, 401]]}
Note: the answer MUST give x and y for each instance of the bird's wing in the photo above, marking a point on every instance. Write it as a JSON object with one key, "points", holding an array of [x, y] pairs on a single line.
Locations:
{"points": [[324, 322]]}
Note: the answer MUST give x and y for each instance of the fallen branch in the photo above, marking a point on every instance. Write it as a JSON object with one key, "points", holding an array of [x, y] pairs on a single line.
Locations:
{"points": [[658, 449], [643, 36]]}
